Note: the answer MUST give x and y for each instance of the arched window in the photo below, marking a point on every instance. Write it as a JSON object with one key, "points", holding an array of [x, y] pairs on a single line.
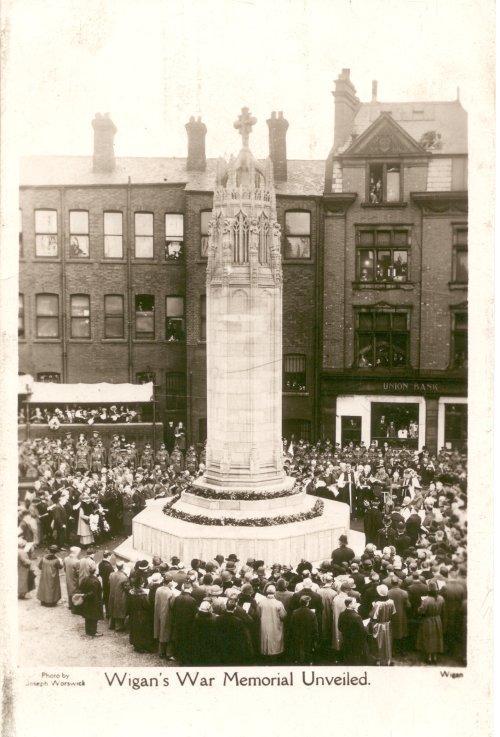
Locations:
{"points": [[240, 240], [264, 236]]}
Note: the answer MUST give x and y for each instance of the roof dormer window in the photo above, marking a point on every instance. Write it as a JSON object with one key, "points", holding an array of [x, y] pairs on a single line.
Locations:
{"points": [[384, 183]]}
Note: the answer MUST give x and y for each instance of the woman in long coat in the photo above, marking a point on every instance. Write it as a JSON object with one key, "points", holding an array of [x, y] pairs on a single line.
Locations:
{"points": [[49, 585], [23, 570], [382, 612], [430, 630]]}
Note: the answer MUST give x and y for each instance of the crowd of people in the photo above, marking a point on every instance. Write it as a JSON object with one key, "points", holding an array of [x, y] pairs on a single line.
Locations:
{"points": [[54, 417], [405, 594]]}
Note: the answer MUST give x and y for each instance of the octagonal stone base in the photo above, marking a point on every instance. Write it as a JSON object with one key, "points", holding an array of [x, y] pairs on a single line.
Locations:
{"points": [[155, 533]]}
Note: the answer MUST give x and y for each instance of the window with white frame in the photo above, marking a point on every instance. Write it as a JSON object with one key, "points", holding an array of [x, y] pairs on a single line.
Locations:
{"points": [[47, 316], [114, 322], [46, 234], [174, 236], [80, 315], [174, 319], [144, 316], [144, 223], [79, 246], [113, 235], [297, 244]]}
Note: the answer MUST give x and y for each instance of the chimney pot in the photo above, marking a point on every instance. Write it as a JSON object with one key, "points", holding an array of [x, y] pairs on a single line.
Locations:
{"points": [[104, 152], [196, 132], [278, 126], [346, 107], [374, 90]]}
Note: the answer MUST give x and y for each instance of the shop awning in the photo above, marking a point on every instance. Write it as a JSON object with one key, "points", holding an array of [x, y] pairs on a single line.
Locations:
{"points": [[104, 393]]}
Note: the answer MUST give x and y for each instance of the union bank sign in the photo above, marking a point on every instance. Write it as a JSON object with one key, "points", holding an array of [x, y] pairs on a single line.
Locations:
{"points": [[410, 387]]}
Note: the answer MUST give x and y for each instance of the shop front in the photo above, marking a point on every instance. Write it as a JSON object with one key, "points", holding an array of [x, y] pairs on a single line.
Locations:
{"points": [[406, 413], [395, 420]]}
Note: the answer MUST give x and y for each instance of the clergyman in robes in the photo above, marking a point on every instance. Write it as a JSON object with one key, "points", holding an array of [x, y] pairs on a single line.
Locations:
{"points": [[49, 585], [272, 614]]}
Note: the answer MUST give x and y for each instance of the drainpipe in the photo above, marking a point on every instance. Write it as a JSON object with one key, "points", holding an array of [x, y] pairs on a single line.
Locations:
{"points": [[64, 296], [128, 245]]}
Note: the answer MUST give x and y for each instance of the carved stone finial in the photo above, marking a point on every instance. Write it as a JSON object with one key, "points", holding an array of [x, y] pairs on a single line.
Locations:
{"points": [[244, 125]]}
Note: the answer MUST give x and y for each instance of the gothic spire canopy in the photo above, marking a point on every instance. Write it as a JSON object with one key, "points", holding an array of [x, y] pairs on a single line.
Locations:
{"points": [[244, 229]]}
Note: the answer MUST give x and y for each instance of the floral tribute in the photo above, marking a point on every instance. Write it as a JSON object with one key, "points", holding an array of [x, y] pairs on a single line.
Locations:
{"points": [[284, 519], [250, 495]]}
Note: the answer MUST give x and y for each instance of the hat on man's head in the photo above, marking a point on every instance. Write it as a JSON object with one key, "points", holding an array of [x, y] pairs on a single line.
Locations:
{"points": [[233, 557], [142, 565], [343, 539], [205, 606], [219, 558], [53, 548], [382, 590], [216, 590], [155, 579]]}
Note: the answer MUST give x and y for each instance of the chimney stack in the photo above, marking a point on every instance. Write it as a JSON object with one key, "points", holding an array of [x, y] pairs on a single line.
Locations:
{"points": [[374, 90], [104, 152], [346, 107], [278, 127], [196, 132]]}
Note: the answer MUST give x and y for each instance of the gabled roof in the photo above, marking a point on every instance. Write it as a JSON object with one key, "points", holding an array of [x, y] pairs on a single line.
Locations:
{"points": [[305, 177], [448, 119], [384, 137]]}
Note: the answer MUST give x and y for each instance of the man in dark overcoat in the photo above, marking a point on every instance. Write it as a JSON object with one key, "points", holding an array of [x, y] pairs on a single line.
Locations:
{"points": [[105, 570], [91, 609], [184, 610], [354, 637], [303, 632]]}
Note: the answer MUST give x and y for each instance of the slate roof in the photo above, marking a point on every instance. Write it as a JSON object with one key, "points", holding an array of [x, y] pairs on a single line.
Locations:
{"points": [[305, 177], [447, 118]]}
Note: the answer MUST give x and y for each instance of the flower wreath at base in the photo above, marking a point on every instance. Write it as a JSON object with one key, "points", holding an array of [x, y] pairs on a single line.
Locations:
{"points": [[285, 519], [246, 496]]}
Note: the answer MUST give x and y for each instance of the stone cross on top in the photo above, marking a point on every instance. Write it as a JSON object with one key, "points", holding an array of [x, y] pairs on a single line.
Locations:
{"points": [[244, 125]]}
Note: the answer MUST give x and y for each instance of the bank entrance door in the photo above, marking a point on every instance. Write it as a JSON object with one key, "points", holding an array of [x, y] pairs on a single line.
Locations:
{"points": [[351, 430]]}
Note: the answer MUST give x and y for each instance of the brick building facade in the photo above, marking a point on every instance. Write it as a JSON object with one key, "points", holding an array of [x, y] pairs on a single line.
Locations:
{"points": [[395, 272], [112, 272]]}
